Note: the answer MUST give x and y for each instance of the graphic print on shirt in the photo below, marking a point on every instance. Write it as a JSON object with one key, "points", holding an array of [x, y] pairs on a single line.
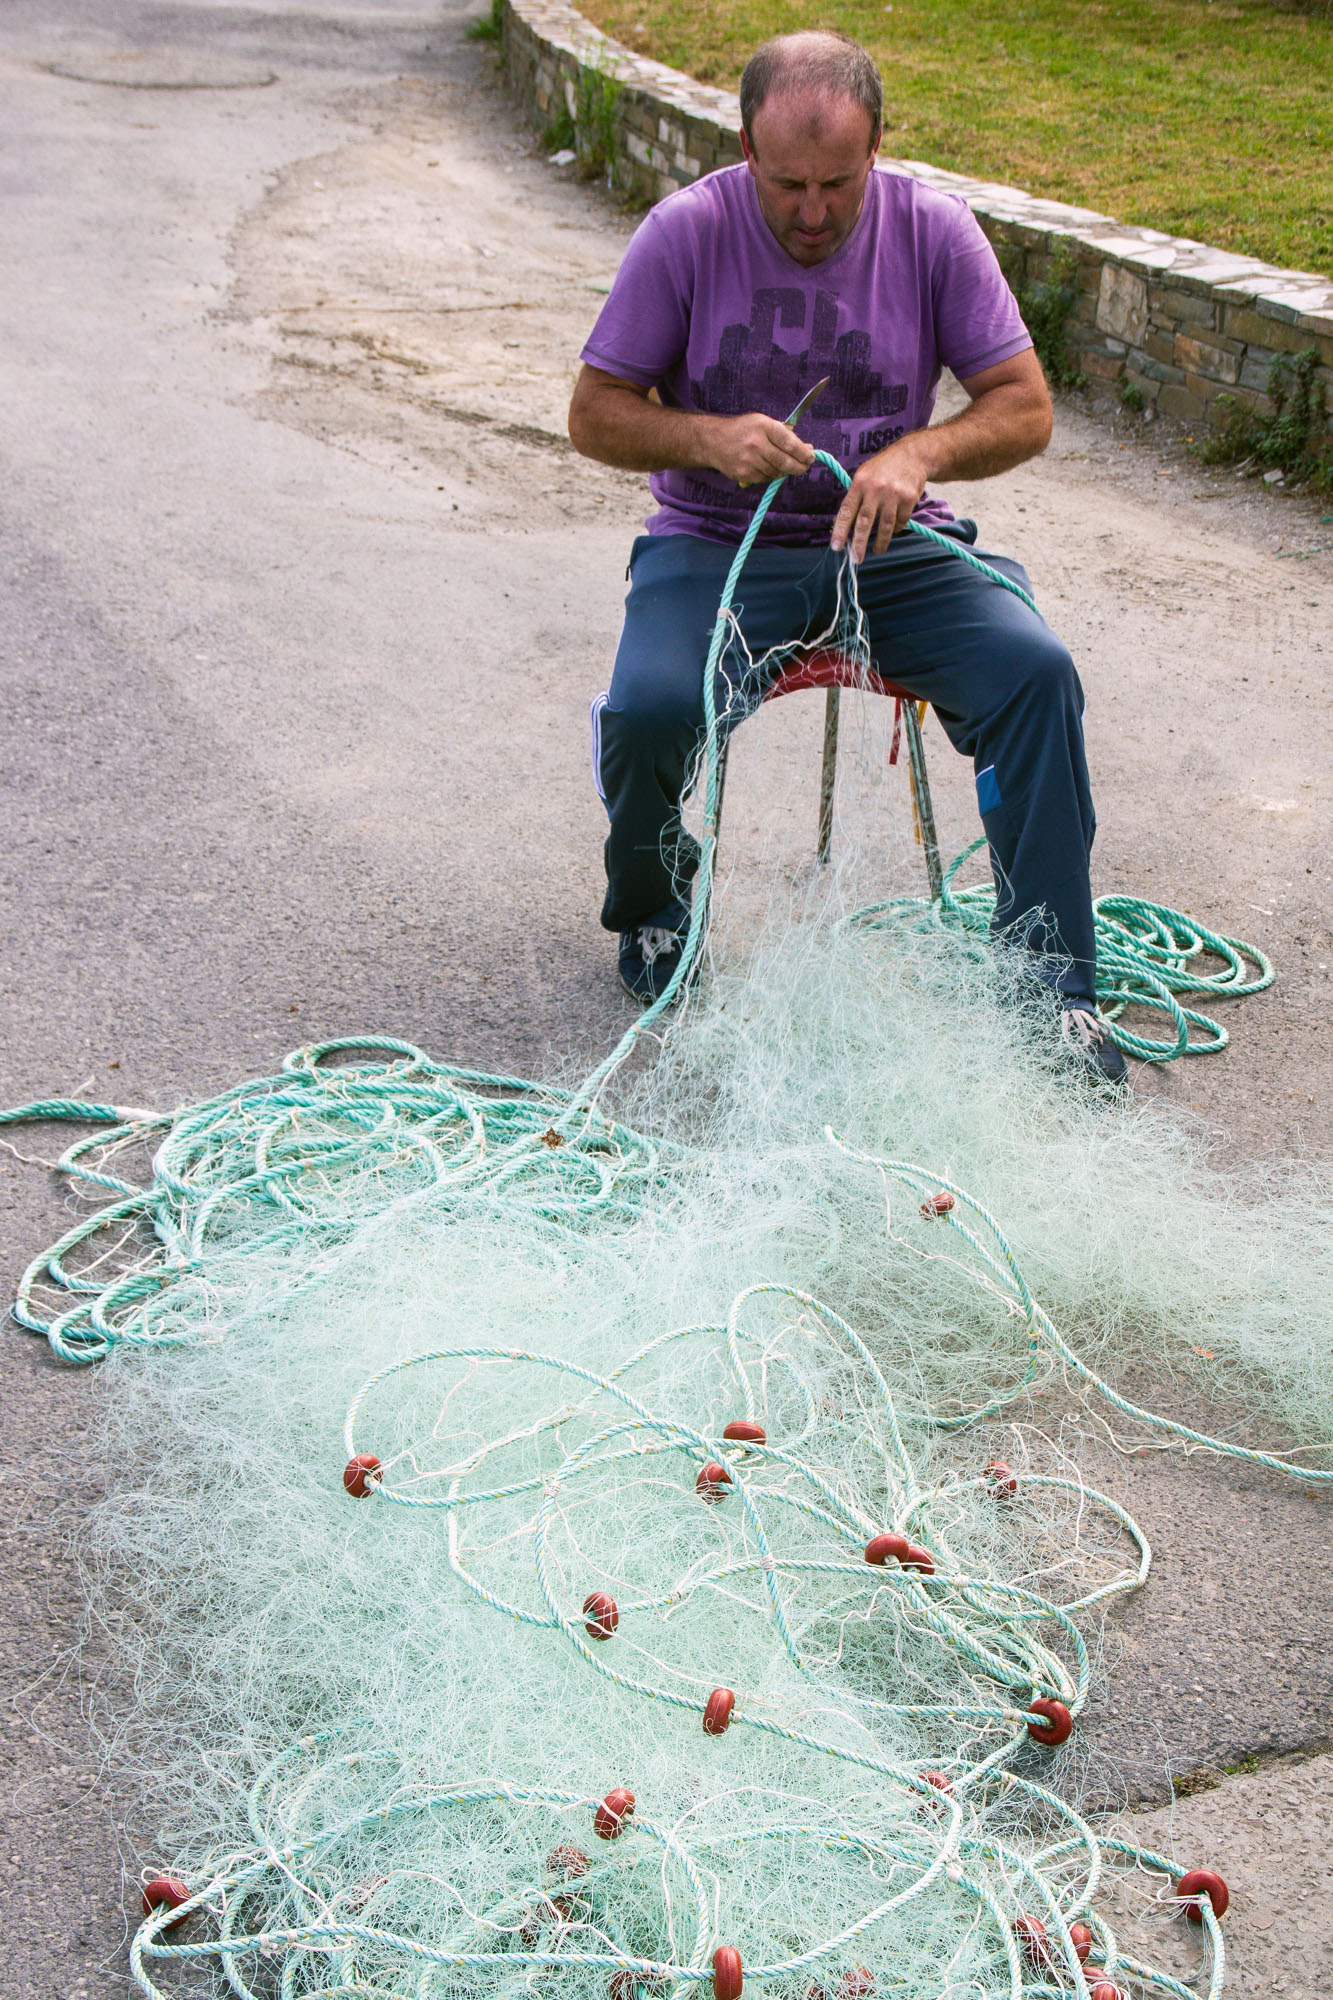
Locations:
{"points": [[753, 372]]}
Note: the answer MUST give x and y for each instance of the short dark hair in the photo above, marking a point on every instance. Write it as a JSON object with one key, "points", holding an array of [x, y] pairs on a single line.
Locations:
{"points": [[819, 60]]}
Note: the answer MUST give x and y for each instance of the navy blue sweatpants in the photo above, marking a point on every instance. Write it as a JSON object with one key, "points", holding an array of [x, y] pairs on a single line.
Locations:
{"points": [[1000, 681]]}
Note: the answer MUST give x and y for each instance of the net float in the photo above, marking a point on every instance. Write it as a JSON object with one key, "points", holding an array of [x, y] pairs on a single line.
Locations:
{"points": [[1003, 1478], [712, 1483], [937, 1204], [531, 1929], [728, 1978], [939, 1781], [361, 1892], [1032, 1938], [608, 1822], [165, 1892], [567, 1862], [361, 1473], [1058, 1725], [1106, 1989], [744, 1430], [919, 1559], [717, 1711], [602, 1614], [1203, 1882], [882, 1547], [856, 1984], [1081, 1939]]}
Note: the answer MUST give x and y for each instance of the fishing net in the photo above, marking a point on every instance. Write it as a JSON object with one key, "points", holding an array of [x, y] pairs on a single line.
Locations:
{"points": [[556, 1542]]}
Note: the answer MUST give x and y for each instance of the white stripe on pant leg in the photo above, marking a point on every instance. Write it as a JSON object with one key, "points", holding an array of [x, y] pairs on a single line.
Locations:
{"points": [[595, 707]]}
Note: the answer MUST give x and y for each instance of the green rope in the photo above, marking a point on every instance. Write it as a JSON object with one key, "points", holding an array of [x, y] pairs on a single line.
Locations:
{"points": [[1147, 955]]}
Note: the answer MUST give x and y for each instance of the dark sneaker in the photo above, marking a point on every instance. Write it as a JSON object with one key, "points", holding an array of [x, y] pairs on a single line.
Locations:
{"points": [[651, 952], [1083, 1030]]}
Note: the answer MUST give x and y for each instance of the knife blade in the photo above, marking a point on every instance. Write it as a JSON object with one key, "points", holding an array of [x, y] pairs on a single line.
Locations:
{"points": [[810, 396]]}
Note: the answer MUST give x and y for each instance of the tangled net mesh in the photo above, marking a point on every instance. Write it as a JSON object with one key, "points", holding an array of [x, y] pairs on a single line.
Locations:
{"points": [[385, 1721], [362, 1729]]}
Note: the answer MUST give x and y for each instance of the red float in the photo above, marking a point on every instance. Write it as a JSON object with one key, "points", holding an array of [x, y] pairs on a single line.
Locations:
{"points": [[728, 1978], [1003, 1479], [608, 1822], [360, 1474], [1081, 1939], [918, 1559], [1058, 1725], [882, 1547], [1106, 1989], [567, 1862], [937, 1204], [856, 1984], [549, 1913], [712, 1482], [1203, 1882], [1033, 1941], [939, 1781], [165, 1892], [744, 1430], [602, 1614], [717, 1711]]}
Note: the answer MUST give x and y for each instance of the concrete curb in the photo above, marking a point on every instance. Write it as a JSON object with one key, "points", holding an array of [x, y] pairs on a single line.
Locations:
{"points": [[1179, 322]]}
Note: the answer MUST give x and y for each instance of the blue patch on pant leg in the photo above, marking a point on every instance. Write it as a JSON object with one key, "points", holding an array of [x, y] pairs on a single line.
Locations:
{"points": [[989, 798]]}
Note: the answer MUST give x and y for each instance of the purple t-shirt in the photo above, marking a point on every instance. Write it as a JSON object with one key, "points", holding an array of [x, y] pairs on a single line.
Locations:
{"points": [[709, 309]]}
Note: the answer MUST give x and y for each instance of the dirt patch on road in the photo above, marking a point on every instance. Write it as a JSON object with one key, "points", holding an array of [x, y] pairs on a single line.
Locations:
{"points": [[424, 292]]}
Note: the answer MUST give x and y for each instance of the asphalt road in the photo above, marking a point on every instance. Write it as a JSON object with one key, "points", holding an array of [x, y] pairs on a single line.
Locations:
{"points": [[303, 598]]}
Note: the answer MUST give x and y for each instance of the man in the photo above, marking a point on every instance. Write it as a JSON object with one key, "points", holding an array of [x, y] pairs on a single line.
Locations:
{"points": [[735, 296]]}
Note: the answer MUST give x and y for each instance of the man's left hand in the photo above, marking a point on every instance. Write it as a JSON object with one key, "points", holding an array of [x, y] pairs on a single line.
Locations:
{"points": [[881, 497]]}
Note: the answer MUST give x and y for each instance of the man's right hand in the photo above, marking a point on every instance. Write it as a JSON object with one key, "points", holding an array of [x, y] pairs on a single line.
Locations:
{"points": [[754, 449], [618, 423]]}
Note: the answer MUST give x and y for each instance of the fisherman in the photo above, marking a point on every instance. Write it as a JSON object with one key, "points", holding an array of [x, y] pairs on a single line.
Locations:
{"points": [[735, 296]]}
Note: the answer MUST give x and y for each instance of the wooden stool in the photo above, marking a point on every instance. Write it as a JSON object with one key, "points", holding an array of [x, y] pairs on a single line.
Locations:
{"points": [[825, 667]]}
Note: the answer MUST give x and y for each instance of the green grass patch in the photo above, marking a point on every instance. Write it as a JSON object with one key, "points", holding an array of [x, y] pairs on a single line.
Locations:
{"points": [[490, 27], [1207, 118]]}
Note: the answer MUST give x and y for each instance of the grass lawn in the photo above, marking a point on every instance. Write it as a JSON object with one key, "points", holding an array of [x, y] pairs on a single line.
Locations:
{"points": [[1206, 118]]}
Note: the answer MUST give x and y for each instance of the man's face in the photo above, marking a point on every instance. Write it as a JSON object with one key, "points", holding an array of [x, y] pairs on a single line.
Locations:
{"points": [[810, 157]]}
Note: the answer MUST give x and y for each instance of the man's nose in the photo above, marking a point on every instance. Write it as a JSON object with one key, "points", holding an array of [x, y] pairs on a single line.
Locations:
{"points": [[813, 207]]}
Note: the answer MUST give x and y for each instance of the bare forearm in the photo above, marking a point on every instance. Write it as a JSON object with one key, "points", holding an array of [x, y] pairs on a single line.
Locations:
{"points": [[618, 427], [994, 434], [616, 423]]}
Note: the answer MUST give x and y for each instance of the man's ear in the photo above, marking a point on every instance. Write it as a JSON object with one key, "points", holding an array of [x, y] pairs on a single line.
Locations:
{"points": [[748, 150]]}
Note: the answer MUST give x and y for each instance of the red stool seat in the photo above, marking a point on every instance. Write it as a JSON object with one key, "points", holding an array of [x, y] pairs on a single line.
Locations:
{"points": [[825, 667]]}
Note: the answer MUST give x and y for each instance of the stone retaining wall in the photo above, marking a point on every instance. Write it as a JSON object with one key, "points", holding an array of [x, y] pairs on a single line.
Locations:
{"points": [[1177, 321]]}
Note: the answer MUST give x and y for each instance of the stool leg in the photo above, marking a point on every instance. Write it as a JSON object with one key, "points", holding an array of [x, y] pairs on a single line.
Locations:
{"points": [[925, 811], [828, 776]]}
